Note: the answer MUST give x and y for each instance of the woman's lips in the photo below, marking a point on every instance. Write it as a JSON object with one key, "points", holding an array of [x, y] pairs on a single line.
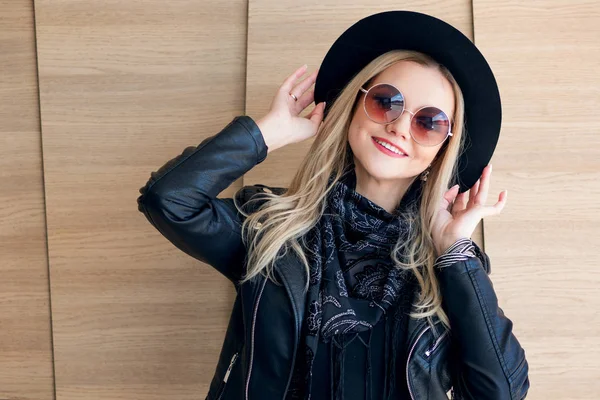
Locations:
{"points": [[386, 151]]}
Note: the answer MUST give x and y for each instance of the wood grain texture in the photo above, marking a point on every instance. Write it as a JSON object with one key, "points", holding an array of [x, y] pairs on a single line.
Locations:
{"points": [[542, 247], [25, 333], [125, 87]]}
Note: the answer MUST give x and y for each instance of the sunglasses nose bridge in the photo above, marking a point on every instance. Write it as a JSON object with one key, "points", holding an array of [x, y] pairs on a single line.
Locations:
{"points": [[404, 109], [397, 124]]}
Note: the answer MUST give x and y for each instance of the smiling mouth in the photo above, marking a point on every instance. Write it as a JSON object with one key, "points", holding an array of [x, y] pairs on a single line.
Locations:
{"points": [[385, 150]]}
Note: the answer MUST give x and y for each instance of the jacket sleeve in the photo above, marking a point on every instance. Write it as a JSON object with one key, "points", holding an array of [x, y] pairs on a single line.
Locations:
{"points": [[492, 362], [180, 199]]}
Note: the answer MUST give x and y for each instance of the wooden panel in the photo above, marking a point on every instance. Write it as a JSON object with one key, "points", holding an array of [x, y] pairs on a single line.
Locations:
{"points": [[126, 86], [281, 40], [543, 246], [25, 333]]}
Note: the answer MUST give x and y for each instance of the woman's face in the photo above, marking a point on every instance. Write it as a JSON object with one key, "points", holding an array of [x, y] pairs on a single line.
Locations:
{"points": [[378, 173]]}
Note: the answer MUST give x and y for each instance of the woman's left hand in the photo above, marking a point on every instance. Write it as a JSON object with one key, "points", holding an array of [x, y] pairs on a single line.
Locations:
{"points": [[462, 219]]}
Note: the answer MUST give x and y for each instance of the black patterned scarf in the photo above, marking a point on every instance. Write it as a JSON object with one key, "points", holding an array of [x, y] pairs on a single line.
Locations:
{"points": [[352, 224]]}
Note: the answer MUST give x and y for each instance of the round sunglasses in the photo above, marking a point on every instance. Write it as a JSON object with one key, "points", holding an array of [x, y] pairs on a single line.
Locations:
{"points": [[384, 103]]}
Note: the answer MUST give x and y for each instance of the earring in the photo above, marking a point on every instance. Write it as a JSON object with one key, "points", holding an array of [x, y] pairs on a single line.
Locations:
{"points": [[426, 174]]}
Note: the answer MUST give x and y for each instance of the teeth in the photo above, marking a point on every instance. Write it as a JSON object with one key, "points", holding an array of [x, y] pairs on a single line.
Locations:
{"points": [[389, 147]]}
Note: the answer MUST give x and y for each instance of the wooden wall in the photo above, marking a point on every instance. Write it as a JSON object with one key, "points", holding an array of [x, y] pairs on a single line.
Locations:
{"points": [[542, 247], [25, 321], [126, 86]]}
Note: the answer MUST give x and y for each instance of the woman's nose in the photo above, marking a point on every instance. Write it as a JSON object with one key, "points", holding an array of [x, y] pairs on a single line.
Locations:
{"points": [[401, 125]]}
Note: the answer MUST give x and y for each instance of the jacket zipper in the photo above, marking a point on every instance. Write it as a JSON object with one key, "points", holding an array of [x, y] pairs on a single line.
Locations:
{"points": [[231, 363], [233, 359], [408, 360], [436, 344], [252, 336]]}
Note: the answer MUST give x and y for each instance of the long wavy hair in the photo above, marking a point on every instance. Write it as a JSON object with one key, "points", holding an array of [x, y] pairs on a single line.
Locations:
{"points": [[281, 222]]}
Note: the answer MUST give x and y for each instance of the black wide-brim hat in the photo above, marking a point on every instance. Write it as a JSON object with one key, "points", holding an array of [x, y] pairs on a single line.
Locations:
{"points": [[390, 30]]}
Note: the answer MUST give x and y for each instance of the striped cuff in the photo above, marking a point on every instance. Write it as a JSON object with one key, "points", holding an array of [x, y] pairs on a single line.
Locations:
{"points": [[462, 249]]}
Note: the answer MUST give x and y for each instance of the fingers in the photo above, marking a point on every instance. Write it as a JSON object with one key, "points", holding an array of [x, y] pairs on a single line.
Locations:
{"points": [[449, 197], [484, 184], [316, 115], [305, 96], [501, 201], [305, 99], [288, 83], [308, 95], [460, 203], [477, 196], [303, 86], [473, 194], [499, 206]]}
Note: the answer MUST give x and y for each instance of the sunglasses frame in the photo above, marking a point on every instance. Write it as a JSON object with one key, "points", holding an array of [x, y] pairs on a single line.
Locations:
{"points": [[412, 114]]}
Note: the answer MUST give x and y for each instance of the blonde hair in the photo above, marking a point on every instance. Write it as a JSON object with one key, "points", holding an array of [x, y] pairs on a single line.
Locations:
{"points": [[283, 219]]}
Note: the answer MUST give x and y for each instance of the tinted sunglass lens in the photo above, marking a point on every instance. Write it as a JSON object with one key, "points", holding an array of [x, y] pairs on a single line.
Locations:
{"points": [[430, 126], [384, 103]]}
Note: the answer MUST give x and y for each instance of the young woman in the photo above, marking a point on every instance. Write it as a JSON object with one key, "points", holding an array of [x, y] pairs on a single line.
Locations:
{"points": [[359, 280]]}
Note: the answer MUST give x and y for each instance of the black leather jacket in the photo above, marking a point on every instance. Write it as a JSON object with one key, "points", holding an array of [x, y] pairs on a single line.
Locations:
{"points": [[480, 358]]}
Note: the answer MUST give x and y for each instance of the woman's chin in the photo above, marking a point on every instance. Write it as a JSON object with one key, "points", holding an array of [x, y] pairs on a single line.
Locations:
{"points": [[383, 171]]}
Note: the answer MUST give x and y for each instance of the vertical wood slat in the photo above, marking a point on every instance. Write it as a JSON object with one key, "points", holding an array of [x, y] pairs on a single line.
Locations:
{"points": [[125, 87], [25, 332], [546, 56]]}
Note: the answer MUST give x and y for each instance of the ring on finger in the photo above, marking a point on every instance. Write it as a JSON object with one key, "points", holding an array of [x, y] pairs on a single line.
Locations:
{"points": [[294, 97]]}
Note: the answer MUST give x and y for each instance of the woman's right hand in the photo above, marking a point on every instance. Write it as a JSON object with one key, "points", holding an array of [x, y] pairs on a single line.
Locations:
{"points": [[282, 125]]}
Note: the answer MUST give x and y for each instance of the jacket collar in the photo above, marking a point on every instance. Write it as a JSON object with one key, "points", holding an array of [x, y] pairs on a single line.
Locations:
{"points": [[293, 276]]}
